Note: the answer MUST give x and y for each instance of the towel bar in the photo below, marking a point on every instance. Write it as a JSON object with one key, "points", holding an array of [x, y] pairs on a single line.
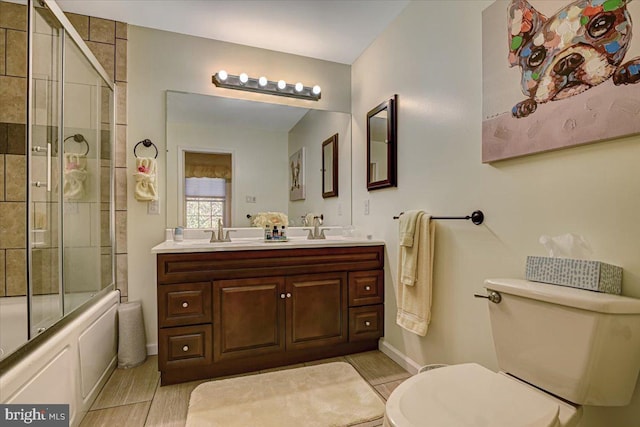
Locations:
{"points": [[477, 217]]}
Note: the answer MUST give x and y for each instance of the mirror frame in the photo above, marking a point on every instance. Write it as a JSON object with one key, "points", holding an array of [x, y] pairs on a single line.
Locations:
{"points": [[390, 106], [333, 141]]}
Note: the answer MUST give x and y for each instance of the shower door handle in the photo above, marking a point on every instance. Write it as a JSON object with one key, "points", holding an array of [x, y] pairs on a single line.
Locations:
{"points": [[38, 149]]}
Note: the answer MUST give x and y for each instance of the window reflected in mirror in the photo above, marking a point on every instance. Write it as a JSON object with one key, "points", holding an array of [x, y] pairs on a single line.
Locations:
{"points": [[207, 189], [330, 167], [382, 145]]}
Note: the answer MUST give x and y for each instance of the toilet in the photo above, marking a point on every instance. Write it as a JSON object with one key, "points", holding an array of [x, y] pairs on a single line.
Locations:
{"points": [[558, 348]]}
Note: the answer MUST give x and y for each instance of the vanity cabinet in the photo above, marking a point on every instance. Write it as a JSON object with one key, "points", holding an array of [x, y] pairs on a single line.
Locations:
{"points": [[221, 313]]}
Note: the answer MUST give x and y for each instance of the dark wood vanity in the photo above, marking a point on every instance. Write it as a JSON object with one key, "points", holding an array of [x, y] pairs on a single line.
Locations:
{"points": [[227, 312]]}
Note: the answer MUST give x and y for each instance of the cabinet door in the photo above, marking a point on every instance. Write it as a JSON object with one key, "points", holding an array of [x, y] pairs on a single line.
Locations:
{"points": [[248, 317], [317, 310]]}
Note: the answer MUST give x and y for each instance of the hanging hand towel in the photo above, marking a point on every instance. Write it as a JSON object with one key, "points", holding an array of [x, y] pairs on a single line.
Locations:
{"points": [[145, 189], [409, 233], [75, 175], [414, 300]]}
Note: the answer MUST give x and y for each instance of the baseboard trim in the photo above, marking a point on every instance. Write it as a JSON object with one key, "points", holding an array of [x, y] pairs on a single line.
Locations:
{"points": [[401, 359], [152, 349]]}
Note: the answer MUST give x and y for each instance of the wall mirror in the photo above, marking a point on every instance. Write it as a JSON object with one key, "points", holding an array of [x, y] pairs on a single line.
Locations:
{"points": [[330, 167], [382, 145], [259, 137]]}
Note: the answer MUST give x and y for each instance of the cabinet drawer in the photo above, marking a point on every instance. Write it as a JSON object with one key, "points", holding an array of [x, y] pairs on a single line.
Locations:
{"points": [[366, 287], [366, 323], [185, 346], [184, 304]]}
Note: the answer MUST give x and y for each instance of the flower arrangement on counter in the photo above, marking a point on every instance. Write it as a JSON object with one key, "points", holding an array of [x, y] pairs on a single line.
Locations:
{"points": [[263, 219]]}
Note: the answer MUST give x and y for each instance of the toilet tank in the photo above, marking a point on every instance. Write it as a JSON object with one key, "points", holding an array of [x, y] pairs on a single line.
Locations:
{"points": [[580, 345]]}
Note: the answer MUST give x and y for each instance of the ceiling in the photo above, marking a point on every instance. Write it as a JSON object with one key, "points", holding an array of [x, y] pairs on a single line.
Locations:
{"points": [[332, 30]]}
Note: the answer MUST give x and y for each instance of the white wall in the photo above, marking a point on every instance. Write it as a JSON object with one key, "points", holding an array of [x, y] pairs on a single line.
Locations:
{"points": [[431, 57], [160, 61], [310, 132], [269, 158]]}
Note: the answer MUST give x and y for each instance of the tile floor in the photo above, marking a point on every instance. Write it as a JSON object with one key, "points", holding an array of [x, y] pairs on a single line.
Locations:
{"points": [[134, 398]]}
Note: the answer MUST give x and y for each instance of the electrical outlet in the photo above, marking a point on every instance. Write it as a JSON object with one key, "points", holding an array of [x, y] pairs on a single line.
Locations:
{"points": [[366, 207], [153, 207], [250, 199]]}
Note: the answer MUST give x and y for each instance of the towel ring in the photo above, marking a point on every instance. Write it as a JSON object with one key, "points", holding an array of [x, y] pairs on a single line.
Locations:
{"points": [[78, 137], [147, 143]]}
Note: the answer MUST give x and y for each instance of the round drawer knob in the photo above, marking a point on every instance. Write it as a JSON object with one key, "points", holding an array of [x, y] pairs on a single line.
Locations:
{"points": [[185, 348], [185, 304], [282, 296], [367, 288], [367, 323], [288, 295]]}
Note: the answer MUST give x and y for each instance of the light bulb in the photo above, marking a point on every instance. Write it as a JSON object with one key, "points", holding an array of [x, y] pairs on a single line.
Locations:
{"points": [[282, 84], [262, 81], [222, 75], [316, 90], [244, 78], [299, 87]]}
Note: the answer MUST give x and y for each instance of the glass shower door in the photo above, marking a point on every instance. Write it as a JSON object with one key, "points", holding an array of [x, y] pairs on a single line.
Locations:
{"points": [[45, 290]]}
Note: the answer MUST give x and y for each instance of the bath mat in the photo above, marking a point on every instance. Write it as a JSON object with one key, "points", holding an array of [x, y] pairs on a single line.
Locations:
{"points": [[327, 395]]}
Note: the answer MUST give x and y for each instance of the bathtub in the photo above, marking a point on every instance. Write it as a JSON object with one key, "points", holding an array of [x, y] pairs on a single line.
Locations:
{"points": [[68, 365], [13, 324]]}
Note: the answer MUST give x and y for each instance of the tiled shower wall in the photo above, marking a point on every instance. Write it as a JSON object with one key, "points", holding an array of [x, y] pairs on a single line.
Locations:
{"points": [[108, 41]]}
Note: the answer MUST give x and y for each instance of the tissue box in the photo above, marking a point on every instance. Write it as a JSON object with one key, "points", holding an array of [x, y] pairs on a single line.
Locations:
{"points": [[576, 273]]}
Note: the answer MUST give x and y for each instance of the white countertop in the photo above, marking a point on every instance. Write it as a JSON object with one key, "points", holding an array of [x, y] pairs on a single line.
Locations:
{"points": [[254, 243]]}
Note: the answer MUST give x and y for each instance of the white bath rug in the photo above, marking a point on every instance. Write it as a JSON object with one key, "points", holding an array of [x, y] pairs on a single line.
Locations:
{"points": [[327, 395]]}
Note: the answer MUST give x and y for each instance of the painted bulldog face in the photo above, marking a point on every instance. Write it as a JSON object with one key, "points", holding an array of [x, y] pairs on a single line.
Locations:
{"points": [[579, 47]]}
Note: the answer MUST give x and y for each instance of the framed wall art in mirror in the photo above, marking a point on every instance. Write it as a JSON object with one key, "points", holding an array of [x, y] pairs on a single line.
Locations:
{"points": [[382, 145], [330, 167]]}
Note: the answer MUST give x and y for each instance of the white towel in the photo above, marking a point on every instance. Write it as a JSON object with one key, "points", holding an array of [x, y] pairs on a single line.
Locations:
{"points": [[145, 176], [409, 233], [75, 175], [408, 222], [414, 300]]}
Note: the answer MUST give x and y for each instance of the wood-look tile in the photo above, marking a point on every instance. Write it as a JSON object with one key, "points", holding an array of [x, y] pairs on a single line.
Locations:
{"points": [[377, 368], [133, 415], [128, 386], [374, 423], [329, 360], [283, 368], [385, 390], [170, 405]]}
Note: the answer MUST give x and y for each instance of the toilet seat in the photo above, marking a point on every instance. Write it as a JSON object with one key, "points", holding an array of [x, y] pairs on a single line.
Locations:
{"points": [[469, 395]]}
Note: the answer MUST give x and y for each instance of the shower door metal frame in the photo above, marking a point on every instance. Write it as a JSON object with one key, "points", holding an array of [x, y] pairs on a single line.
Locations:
{"points": [[67, 30]]}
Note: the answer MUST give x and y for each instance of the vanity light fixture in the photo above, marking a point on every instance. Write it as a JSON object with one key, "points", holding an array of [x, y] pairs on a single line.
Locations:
{"points": [[263, 85]]}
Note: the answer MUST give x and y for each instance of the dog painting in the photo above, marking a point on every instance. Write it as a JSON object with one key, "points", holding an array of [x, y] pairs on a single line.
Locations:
{"points": [[577, 65]]}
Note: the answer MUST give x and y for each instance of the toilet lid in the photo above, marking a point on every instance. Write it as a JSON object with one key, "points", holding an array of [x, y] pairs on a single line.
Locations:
{"points": [[469, 395]]}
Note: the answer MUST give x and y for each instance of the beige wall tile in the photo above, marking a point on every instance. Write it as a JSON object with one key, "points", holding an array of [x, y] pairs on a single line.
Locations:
{"points": [[3, 48], [121, 146], [44, 272], [13, 98], [106, 55], [16, 176], [14, 224], [80, 23], [16, 55], [121, 189], [121, 103], [106, 271], [13, 16], [2, 273], [102, 30], [121, 232], [105, 184], [121, 30], [122, 274], [121, 60], [16, 272], [1, 177]]}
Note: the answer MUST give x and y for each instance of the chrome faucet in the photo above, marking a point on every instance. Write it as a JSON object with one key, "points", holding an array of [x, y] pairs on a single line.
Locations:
{"points": [[316, 233], [221, 236]]}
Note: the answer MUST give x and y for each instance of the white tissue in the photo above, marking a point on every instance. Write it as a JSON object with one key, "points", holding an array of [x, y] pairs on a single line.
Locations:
{"points": [[567, 246]]}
